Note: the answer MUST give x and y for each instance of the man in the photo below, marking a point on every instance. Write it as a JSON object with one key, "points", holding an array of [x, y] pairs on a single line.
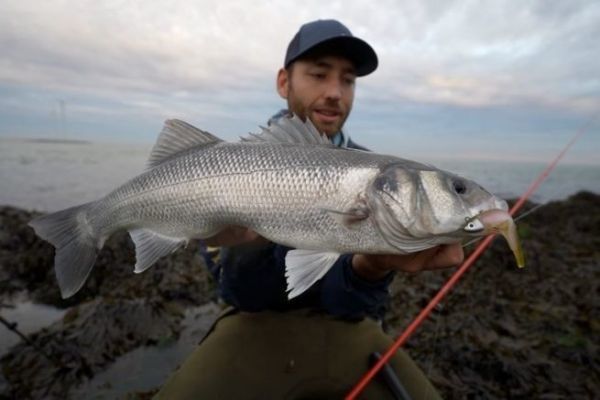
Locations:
{"points": [[318, 344]]}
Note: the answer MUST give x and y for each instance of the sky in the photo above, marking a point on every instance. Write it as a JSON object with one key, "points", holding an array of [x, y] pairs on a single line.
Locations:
{"points": [[499, 80]]}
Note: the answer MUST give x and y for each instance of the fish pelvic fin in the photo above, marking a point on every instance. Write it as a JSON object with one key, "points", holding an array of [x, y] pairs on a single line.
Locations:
{"points": [[305, 267], [150, 246], [76, 246], [176, 137]]}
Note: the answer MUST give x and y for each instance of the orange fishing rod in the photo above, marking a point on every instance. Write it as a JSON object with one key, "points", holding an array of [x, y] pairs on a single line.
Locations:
{"points": [[401, 340]]}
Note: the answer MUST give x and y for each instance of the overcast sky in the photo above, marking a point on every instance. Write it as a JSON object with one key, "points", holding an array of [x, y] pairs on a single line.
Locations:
{"points": [[483, 79]]}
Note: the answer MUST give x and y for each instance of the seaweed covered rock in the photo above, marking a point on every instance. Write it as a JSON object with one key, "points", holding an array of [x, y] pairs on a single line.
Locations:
{"points": [[116, 310], [25, 260], [26, 264]]}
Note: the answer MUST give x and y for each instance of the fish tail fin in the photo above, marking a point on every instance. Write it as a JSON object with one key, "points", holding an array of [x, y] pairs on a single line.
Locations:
{"points": [[75, 242]]}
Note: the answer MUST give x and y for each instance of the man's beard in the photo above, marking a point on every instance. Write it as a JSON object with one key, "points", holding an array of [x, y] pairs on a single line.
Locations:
{"points": [[296, 107]]}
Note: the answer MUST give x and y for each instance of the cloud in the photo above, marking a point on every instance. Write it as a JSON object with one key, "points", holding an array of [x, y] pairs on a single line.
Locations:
{"points": [[215, 61], [137, 46], [539, 52]]}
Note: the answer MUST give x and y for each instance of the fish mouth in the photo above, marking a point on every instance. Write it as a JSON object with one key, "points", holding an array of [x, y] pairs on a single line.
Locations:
{"points": [[497, 221]]}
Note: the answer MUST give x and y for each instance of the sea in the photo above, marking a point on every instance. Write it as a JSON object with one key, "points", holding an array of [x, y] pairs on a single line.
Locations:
{"points": [[49, 175]]}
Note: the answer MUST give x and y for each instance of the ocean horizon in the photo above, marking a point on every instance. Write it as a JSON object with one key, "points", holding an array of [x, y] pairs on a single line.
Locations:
{"points": [[49, 175]]}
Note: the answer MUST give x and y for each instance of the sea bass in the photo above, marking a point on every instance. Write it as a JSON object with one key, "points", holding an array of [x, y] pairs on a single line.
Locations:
{"points": [[287, 183]]}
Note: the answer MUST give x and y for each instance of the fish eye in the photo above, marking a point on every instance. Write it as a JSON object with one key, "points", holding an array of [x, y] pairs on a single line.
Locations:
{"points": [[473, 225], [459, 186]]}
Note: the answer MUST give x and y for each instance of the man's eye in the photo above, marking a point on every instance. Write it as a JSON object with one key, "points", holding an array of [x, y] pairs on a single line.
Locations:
{"points": [[318, 75]]}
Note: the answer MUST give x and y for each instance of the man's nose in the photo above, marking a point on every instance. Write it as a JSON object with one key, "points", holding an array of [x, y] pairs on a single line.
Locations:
{"points": [[333, 91]]}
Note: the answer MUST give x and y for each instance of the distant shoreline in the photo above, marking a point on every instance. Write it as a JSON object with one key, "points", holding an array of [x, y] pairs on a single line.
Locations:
{"points": [[57, 141], [428, 158]]}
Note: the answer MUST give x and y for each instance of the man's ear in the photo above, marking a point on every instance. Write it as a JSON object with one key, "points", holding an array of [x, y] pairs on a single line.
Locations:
{"points": [[283, 83]]}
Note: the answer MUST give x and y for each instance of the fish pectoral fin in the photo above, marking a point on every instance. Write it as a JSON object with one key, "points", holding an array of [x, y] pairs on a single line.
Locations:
{"points": [[304, 267], [349, 217], [150, 246]]}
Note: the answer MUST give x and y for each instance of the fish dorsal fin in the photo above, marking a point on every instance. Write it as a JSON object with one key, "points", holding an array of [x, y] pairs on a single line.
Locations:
{"points": [[178, 136], [289, 129]]}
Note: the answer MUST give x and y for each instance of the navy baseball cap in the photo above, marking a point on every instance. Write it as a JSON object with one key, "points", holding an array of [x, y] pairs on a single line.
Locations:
{"points": [[332, 34]]}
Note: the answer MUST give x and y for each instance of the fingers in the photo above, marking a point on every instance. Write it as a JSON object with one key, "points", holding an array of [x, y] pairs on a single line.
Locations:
{"points": [[414, 262], [445, 256], [375, 266]]}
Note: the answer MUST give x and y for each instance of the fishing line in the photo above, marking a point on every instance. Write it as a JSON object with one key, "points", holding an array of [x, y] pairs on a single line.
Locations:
{"points": [[520, 217], [12, 326], [401, 340], [526, 213], [436, 338]]}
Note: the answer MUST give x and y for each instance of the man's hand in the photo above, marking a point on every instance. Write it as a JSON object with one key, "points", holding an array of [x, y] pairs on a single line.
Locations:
{"points": [[234, 236], [373, 267]]}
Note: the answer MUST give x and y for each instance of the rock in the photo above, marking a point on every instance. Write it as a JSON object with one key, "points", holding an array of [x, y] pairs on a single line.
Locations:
{"points": [[26, 263], [115, 312], [84, 342]]}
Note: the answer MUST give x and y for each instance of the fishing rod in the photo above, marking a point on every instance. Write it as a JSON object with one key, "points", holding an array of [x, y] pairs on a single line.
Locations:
{"points": [[403, 338]]}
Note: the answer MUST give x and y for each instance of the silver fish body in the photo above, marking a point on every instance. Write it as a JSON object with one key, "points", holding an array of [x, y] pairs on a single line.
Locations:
{"points": [[288, 184]]}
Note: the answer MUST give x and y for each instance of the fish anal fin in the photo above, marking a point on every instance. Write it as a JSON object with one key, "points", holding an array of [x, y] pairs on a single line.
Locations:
{"points": [[178, 136], [305, 267], [150, 246]]}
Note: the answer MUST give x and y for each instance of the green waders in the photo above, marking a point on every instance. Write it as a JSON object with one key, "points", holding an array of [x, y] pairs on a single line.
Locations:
{"points": [[298, 354]]}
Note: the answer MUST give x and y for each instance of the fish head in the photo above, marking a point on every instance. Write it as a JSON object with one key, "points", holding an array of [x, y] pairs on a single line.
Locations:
{"points": [[449, 204], [417, 206], [428, 201]]}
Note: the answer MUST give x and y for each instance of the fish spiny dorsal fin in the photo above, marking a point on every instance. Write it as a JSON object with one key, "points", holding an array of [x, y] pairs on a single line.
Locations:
{"points": [[289, 130], [178, 136]]}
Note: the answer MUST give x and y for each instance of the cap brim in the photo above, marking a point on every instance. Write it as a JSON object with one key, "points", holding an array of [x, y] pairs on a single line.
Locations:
{"points": [[359, 52]]}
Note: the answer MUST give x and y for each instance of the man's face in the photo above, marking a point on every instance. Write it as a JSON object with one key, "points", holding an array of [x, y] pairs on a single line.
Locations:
{"points": [[320, 89]]}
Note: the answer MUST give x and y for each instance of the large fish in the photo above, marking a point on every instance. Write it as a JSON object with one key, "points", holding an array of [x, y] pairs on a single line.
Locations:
{"points": [[287, 183]]}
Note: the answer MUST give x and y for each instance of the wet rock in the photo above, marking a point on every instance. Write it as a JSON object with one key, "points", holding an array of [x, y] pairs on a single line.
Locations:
{"points": [[115, 312], [88, 338], [24, 259], [26, 264]]}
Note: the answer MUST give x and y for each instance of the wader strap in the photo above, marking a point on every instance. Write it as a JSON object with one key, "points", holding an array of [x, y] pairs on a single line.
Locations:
{"points": [[390, 378], [229, 310]]}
